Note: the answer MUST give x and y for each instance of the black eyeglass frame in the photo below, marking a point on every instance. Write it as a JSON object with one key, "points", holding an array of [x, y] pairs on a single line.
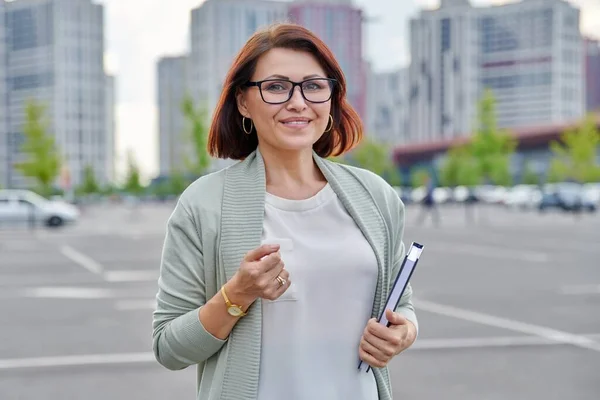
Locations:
{"points": [[332, 83]]}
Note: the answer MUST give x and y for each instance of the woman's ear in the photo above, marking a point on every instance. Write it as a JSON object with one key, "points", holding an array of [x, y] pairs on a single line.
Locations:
{"points": [[240, 99]]}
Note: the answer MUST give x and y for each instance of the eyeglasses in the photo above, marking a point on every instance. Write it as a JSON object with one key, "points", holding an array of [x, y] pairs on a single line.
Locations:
{"points": [[279, 91]]}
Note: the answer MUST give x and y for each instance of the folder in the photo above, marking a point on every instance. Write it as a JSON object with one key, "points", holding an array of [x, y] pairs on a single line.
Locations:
{"points": [[406, 270]]}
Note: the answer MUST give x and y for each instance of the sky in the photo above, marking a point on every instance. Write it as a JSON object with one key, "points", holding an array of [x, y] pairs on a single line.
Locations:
{"points": [[139, 32]]}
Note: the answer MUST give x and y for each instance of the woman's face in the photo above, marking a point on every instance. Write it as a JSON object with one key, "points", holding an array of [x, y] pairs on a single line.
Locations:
{"points": [[296, 124]]}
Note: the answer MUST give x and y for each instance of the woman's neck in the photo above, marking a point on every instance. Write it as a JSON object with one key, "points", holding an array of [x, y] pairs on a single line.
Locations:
{"points": [[292, 174]]}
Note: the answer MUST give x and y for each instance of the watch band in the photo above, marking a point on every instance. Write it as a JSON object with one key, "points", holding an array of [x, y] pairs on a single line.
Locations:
{"points": [[233, 309]]}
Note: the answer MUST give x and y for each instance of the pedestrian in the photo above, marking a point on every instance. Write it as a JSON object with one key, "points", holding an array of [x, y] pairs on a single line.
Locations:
{"points": [[428, 205], [274, 269]]}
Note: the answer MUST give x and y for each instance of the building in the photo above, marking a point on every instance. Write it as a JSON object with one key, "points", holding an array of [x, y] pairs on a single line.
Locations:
{"points": [[110, 128], [387, 107], [173, 136], [53, 53], [533, 149], [592, 74], [340, 25], [529, 53], [5, 161], [443, 73], [219, 29]]}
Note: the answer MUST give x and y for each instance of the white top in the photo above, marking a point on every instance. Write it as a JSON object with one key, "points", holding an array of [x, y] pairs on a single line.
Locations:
{"points": [[316, 325]]}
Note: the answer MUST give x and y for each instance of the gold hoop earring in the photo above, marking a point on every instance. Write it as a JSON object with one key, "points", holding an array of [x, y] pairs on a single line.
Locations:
{"points": [[330, 127], [249, 131]]}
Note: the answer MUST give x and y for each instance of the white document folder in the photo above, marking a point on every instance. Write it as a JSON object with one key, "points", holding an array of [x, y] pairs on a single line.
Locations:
{"points": [[406, 270]]}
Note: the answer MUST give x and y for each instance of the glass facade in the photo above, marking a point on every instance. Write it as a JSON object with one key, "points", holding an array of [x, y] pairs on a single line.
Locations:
{"points": [[523, 30], [30, 28], [32, 81]]}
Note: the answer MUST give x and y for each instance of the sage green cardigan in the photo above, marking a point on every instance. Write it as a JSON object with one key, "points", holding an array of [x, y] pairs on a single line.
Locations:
{"points": [[217, 220]]}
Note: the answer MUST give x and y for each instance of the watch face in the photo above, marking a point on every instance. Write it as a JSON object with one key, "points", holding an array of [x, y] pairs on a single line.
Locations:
{"points": [[235, 311]]}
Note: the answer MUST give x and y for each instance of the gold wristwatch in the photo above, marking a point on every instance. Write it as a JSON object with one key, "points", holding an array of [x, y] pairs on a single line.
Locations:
{"points": [[233, 309]]}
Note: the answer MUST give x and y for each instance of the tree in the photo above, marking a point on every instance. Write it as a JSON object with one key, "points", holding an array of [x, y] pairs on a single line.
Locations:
{"points": [[376, 157], [529, 176], [492, 147], [177, 183], [197, 135], [132, 183], [460, 168], [418, 177], [43, 161], [575, 154], [89, 184]]}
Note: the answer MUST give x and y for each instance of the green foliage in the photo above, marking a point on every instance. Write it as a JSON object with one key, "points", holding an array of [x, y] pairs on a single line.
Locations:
{"points": [[173, 186], [460, 168], [529, 176], [376, 157], [89, 184], [132, 183], [419, 177], [491, 146], [43, 161], [575, 157], [197, 135]]}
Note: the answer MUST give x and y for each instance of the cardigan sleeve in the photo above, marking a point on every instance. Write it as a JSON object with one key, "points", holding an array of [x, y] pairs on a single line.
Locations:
{"points": [[179, 338], [405, 306]]}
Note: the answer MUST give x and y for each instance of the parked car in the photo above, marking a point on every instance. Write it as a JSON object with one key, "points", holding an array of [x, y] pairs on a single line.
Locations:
{"points": [[27, 207], [523, 197], [566, 196]]}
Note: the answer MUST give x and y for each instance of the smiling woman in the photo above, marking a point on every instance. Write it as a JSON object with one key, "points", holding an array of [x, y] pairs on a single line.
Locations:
{"points": [[258, 257], [256, 74]]}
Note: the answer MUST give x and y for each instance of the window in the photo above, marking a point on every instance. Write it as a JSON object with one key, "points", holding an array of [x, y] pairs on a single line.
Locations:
{"points": [[21, 27], [33, 81], [29, 28]]}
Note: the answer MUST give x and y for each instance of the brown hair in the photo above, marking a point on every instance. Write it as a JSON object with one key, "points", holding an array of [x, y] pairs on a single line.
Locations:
{"points": [[226, 138]]}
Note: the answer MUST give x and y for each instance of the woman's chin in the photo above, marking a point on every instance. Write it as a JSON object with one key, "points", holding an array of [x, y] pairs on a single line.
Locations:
{"points": [[296, 141]]}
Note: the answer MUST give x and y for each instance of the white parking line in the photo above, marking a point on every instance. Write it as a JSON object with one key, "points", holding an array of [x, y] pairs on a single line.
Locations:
{"points": [[81, 259], [512, 325], [77, 360], [484, 342], [68, 293]]}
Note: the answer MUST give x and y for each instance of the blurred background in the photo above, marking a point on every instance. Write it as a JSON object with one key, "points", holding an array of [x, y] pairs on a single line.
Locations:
{"points": [[484, 115]]}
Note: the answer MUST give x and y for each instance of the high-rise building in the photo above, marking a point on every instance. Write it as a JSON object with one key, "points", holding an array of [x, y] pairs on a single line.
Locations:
{"points": [[219, 29], [174, 145], [528, 53], [340, 25], [54, 54], [110, 129], [4, 116], [387, 113], [443, 72], [592, 74]]}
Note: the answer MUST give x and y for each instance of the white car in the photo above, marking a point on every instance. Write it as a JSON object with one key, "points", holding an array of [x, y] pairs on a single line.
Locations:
{"points": [[24, 206]]}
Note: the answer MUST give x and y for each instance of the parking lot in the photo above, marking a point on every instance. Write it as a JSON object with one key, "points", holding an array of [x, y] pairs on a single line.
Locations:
{"points": [[508, 306]]}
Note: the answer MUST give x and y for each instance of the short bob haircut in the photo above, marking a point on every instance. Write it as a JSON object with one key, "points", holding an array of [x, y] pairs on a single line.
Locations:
{"points": [[226, 138]]}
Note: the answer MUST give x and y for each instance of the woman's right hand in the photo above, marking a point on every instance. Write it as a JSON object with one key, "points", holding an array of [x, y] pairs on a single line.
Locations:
{"points": [[257, 276]]}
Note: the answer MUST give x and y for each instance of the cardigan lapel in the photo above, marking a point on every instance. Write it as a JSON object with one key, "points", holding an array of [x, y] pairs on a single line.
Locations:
{"points": [[362, 208], [242, 217]]}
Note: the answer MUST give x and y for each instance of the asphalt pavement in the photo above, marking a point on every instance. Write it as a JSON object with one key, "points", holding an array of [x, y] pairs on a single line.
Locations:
{"points": [[508, 305]]}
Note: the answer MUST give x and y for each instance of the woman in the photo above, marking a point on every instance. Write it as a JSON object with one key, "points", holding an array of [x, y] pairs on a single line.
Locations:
{"points": [[274, 269]]}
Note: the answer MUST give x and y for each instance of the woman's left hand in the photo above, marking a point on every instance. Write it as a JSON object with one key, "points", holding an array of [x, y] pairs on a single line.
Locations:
{"points": [[379, 344]]}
